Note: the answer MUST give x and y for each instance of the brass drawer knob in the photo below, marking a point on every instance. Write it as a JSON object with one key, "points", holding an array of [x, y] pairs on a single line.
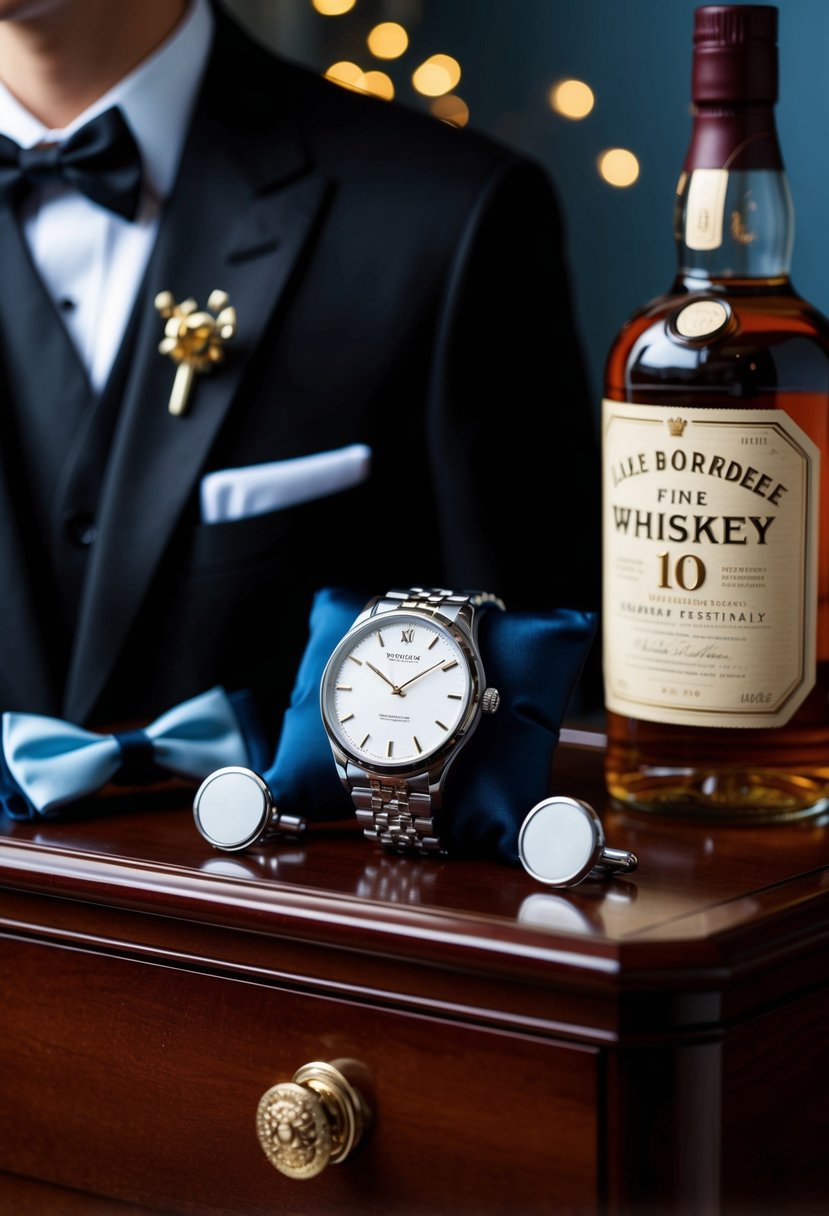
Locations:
{"points": [[316, 1118]]}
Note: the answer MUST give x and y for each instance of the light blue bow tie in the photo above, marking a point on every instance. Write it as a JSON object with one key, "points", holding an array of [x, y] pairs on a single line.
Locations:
{"points": [[53, 762]]}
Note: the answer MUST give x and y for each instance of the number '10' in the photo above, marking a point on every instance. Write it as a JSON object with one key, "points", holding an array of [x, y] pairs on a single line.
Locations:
{"points": [[689, 571]]}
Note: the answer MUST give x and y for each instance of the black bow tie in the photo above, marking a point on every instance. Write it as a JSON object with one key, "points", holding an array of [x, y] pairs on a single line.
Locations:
{"points": [[101, 160]]}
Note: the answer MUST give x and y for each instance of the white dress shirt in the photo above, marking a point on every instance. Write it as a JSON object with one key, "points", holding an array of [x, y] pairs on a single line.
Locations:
{"points": [[90, 259]]}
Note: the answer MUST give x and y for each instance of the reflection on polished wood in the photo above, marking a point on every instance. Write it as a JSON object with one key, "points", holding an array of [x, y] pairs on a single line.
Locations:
{"points": [[653, 1044]]}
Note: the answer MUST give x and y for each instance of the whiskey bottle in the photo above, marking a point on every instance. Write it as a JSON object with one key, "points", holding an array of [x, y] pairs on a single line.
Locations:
{"points": [[715, 437]]}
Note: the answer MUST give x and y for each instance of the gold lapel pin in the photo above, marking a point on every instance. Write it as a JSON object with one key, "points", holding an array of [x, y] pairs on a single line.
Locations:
{"points": [[193, 339]]}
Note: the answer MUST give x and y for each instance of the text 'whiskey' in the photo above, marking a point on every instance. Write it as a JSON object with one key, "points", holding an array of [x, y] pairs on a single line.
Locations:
{"points": [[715, 468]]}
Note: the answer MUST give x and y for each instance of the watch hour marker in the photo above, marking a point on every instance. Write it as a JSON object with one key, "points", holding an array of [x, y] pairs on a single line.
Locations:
{"points": [[347, 718], [433, 642], [343, 687], [449, 666], [417, 745], [442, 725], [389, 747], [454, 696], [359, 662], [380, 640], [363, 742]]}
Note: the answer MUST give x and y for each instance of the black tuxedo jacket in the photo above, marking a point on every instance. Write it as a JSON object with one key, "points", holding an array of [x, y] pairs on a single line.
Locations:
{"points": [[398, 283]]}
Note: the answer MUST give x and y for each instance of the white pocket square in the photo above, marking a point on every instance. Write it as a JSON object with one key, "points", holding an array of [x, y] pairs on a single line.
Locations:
{"points": [[231, 494]]}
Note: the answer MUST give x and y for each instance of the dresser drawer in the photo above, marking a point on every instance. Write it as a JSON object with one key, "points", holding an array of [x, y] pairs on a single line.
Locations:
{"points": [[141, 1082]]}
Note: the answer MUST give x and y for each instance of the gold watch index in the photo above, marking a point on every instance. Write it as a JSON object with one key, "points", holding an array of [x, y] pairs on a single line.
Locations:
{"points": [[387, 706]]}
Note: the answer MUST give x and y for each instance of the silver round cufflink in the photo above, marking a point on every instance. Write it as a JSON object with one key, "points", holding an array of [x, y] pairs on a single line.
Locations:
{"points": [[561, 842], [234, 809]]}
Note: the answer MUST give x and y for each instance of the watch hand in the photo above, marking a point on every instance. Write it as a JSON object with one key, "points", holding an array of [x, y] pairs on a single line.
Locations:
{"points": [[378, 672], [418, 674]]}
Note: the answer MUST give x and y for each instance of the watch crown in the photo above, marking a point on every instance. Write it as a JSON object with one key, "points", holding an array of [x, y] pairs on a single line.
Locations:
{"points": [[490, 700]]}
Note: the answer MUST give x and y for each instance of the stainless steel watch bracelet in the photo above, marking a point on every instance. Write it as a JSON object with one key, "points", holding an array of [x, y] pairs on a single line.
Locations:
{"points": [[437, 601], [395, 813], [400, 812]]}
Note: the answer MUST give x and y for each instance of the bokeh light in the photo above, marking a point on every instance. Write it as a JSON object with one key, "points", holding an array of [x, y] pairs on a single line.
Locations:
{"points": [[346, 73], [333, 8], [572, 98], [388, 40], [452, 109], [439, 74], [379, 84], [450, 66], [619, 167]]}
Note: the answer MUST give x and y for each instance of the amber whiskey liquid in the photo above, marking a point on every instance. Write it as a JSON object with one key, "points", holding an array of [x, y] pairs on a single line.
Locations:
{"points": [[777, 360], [716, 499]]}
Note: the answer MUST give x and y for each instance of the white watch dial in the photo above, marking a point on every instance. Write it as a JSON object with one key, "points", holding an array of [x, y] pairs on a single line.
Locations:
{"points": [[397, 691]]}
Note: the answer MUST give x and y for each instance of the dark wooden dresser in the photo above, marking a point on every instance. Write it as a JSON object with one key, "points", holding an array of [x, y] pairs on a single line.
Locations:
{"points": [[658, 1044]]}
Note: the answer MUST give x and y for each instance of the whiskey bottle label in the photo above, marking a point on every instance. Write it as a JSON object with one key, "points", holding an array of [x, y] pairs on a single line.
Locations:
{"points": [[705, 208], [710, 564]]}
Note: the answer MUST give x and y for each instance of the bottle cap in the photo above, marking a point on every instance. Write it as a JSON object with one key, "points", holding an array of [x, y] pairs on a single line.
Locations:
{"points": [[735, 53]]}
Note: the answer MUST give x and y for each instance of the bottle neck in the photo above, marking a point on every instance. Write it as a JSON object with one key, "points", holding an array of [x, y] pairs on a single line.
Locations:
{"points": [[734, 219]]}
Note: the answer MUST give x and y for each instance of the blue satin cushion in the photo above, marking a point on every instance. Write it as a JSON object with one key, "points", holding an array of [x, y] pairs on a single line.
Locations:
{"points": [[533, 659], [303, 778]]}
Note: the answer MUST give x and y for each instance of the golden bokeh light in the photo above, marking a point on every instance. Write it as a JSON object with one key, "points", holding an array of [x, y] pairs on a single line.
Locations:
{"points": [[572, 98], [345, 73], [333, 8], [450, 66], [379, 84], [388, 40], [431, 80], [618, 167], [452, 109], [437, 75]]}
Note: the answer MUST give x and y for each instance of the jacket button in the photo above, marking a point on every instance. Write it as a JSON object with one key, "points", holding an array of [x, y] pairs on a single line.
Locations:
{"points": [[80, 528]]}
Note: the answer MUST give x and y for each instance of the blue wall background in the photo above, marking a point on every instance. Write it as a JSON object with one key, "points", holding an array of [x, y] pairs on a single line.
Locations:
{"points": [[636, 55]]}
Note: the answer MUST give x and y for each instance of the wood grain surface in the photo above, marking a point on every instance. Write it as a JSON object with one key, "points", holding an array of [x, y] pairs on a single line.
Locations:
{"points": [[650, 1044]]}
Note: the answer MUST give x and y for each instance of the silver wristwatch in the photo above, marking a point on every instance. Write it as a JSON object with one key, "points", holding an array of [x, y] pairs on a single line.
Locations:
{"points": [[400, 696]]}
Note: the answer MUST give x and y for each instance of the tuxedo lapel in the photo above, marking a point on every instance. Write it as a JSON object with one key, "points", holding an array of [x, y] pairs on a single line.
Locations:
{"points": [[243, 209], [25, 677], [37, 354]]}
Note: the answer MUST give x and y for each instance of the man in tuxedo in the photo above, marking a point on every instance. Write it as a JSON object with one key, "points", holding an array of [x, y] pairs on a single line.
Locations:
{"points": [[398, 284]]}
